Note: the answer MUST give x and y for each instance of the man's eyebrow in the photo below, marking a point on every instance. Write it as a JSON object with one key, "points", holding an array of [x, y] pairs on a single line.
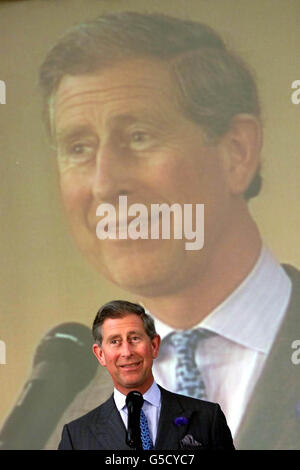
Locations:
{"points": [[142, 116], [135, 332], [111, 337], [129, 333], [128, 118], [119, 119], [71, 132]]}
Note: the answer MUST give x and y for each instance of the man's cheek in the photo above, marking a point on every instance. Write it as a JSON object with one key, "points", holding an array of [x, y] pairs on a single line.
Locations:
{"points": [[73, 195], [166, 175]]}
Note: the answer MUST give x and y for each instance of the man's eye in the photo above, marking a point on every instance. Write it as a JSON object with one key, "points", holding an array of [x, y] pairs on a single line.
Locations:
{"points": [[140, 140], [76, 152], [78, 148], [81, 149], [139, 136], [135, 338]]}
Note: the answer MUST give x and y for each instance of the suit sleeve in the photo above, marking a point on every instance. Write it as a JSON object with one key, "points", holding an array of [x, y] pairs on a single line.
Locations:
{"points": [[66, 441], [222, 439]]}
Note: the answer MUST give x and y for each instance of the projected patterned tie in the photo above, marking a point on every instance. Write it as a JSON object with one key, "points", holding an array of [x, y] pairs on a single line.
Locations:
{"points": [[188, 376], [145, 434]]}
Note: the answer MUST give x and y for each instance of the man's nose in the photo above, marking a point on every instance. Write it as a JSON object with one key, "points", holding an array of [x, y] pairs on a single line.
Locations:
{"points": [[126, 349], [110, 177]]}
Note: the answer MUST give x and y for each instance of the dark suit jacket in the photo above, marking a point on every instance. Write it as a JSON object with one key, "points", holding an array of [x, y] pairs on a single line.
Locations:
{"points": [[103, 428], [272, 418]]}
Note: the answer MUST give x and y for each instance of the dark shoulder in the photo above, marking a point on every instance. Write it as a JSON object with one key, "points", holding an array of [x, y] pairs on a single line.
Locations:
{"points": [[291, 326], [94, 415], [293, 273]]}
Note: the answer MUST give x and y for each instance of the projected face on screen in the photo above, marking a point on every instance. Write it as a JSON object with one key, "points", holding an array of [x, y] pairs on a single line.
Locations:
{"points": [[120, 132]]}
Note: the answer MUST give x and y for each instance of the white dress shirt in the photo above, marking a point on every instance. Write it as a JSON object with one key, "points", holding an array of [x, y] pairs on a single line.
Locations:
{"points": [[245, 324], [151, 408]]}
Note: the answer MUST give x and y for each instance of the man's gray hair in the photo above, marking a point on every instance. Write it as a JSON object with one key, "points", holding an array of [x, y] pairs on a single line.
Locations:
{"points": [[119, 309]]}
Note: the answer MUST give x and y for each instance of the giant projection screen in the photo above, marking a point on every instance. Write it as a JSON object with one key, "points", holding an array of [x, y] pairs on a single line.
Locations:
{"points": [[50, 291]]}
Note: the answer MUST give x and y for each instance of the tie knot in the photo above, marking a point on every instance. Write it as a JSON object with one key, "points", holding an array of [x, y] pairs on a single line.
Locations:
{"points": [[186, 339]]}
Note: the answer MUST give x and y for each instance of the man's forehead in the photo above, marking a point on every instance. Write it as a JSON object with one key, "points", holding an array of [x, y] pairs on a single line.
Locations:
{"points": [[140, 88], [128, 322], [130, 76]]}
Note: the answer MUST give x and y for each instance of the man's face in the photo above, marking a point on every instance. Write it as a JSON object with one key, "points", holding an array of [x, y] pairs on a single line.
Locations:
{"points": [[128, 353], [120, 132]]}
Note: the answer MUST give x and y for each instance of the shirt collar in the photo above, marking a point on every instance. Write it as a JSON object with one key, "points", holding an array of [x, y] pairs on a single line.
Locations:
{"points": [[152, 396], [252, 313]]}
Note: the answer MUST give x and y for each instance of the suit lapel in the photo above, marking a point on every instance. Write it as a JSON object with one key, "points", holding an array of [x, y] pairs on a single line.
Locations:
{"points": [[168, 434], [109, 428]]}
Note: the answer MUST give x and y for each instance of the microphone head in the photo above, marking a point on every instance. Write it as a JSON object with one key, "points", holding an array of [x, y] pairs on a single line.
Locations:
{"points": [[134, 398], [69, 345], [62, 366]]}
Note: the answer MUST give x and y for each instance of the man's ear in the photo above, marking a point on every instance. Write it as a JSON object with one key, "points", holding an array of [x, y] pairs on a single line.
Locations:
{"points": [[155, 342], [240, 150], [98, 351]]}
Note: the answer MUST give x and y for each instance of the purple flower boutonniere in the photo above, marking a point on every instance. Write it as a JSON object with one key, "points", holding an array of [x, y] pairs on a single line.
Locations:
{"points": [[180, 421]]}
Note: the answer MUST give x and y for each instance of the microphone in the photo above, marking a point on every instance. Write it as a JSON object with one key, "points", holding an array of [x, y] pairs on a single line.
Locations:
{"points": [[134, 403], [62, 366]]}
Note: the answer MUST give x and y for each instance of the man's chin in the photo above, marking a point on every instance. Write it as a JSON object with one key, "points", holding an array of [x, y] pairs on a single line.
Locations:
{"points": [[146, 283], [145, 272]]}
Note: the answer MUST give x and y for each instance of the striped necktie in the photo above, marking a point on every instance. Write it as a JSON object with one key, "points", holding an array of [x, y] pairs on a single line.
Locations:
{"points": [[145, 434], [189, 380]]}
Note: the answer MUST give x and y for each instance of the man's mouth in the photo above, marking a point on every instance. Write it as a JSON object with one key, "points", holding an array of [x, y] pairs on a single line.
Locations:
{"points": [[130, 366]]}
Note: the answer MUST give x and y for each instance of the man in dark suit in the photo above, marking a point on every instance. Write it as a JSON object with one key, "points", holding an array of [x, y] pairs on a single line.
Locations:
{"points": [[126, 344]]}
